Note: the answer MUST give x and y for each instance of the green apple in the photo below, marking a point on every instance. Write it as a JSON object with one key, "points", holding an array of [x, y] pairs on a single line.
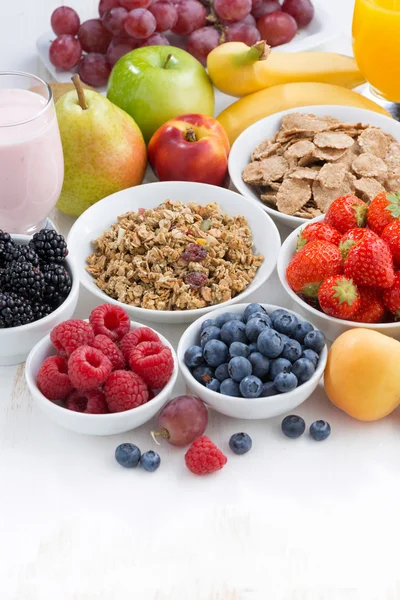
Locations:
{"points": [[156, 83]]}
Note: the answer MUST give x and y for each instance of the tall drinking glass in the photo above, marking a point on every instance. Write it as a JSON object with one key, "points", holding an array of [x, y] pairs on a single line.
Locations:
{"points": [[31, 158]]}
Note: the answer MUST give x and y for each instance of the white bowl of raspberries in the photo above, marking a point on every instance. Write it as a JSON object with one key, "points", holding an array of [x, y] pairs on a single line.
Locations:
{"points": [[102, 376]]}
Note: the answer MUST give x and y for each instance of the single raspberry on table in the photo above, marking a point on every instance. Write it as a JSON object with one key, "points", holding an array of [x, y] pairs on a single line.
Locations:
{"points": [[153, 362], [391, 297], [383, 209], [346, 212], [69, 335], [92, 402], [372, 308], [110, 320], [109, 349], [318, 231], [52, 378], [204, 457], [125, 390], [309, 267], [88, 368], [133, 338], [339, 297]]}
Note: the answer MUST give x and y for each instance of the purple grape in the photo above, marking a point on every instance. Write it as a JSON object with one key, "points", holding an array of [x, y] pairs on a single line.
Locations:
{"points": [[182, 420]]}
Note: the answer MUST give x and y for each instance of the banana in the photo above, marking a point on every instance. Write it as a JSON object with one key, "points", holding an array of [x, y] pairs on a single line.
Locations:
{"points": [[238, 69], [246, 111]]}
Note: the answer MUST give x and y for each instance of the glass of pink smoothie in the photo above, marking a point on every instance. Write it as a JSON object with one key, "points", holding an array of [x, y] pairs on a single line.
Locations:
{"points": [[31, 158]]}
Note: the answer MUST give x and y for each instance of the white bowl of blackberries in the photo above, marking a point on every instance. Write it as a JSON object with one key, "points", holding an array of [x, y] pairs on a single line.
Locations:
{"points": [[38, 288], [254, 361]]}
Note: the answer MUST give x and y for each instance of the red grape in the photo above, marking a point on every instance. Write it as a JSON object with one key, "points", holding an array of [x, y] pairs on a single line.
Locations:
{"points": [[255, 3], [201, 42], [265, 7], [277, 28], [232, 10], [94, 69], [116, 51], [182, 420], [65, 20], [302, 11], [93, 36], [191, 16], [249, 20], [140, 23], [241, 32], [65, 52], [113, 20], [132, 4], [105, 5], [165, 14], [157, 39]]}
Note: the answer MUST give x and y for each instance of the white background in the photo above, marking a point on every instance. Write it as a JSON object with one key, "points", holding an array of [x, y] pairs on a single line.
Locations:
{"points": [[293, 520]]}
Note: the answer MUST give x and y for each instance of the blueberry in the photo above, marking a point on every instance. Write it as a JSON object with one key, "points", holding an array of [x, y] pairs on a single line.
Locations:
{"points": [[239, 367], [193, 357], [303, 369], [285, 338], [215, 353], [221, 372], [253, 347], [207, 323], [210, 333], [279, 365], [213, 385], [259, 315], [277, 313], [150, 461], [225, 317], [240, 443], [315, 340], [286, 323], [250, 309], [293, 426], [301, 331], [291, 350], [320, 430], [270, 343], [203, 374], [233, 331], [238, 349], [127, 455], [311, 355], [230, 388], [251, 387], [285, 382], [260, 364], [254, 327], [269, 389]]}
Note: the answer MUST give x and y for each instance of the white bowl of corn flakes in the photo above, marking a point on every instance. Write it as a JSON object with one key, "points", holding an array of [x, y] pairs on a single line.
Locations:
{"points": [[172, 251], [296, 162]]}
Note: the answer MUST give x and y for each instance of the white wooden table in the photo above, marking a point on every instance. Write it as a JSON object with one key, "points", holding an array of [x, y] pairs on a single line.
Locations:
{"points": [[293, 520]]}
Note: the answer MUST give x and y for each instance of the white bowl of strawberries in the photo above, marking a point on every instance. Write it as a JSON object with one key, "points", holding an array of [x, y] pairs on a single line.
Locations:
{"points": [[102, 376], [343, 269]]}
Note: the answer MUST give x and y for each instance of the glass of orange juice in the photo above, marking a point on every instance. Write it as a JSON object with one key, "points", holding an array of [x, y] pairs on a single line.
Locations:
{"points": [[376, 29]]}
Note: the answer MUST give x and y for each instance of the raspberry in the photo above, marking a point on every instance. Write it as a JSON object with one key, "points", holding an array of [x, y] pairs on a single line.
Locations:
{"points": [[194, 253], [111, 350], [52, 378], [133, 338], [88, 368], [125, 390], [92, 402], [68, 336], [153, 362], [195, 280], [111, 321], [204, 457]]}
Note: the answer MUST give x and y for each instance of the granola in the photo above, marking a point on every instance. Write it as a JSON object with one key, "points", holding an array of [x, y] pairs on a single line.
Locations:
{"points": [[148, 258]]}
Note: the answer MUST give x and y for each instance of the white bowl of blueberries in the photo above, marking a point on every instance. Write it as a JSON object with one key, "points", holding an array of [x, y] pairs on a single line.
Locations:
{"points": [[254, 362]]}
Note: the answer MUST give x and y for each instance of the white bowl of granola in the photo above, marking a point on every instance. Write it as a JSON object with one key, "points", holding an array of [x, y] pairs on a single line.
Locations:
{"points": [[204, 247], [295, 176]]}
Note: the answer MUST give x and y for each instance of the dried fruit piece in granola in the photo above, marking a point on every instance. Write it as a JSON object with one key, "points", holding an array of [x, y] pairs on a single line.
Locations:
{"points": [[194, 253], [293, 195], [369, 165], [368, 188], [333, 139], [195, 279]]}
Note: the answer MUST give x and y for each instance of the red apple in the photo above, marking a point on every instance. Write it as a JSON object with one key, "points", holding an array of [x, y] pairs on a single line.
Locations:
{"points": [[190, 148]]}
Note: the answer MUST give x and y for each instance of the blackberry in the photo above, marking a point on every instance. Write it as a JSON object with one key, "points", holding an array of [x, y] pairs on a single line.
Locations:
{"points": [[41, 310], [20, 253], [14, 310], [24, 279], [57, 283], [50, 246], [6, 244]]}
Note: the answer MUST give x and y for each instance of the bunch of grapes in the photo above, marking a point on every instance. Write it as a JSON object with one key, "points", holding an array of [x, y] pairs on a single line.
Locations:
{"points": [[123, 25]]}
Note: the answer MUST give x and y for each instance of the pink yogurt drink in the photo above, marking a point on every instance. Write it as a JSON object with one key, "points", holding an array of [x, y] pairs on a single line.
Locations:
{"points": [[31, 158]]}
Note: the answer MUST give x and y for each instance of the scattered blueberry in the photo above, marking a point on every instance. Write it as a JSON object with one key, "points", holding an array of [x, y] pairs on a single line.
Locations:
{"points": [[270, 343], [301, 331], [279, 365], [209, 333], [215, 353], [150, 461], [263, 316], [225, 317], [238, 349], [315, 340], [251, 387], [250, 309], [233, 331], [213, 385], [260, 364], [291, 350], [221, 372], [230, 388], [239, 368], [254, 327], [203, 374], [240, 443], [269, 389], [127, 455], [285, 382], [207, 323], [311, 355], [193, 357], [320, 430], [285, 323], [303, 369], [293, 426]]}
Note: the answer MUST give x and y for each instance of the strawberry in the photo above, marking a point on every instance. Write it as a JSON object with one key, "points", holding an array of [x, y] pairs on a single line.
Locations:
{"points": [[391, 235], [352, 237], [372, 309], [339, 297], [346, 212], [391, 297], [383, 209], [318, 231], [369, 263], [310, 266]]}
